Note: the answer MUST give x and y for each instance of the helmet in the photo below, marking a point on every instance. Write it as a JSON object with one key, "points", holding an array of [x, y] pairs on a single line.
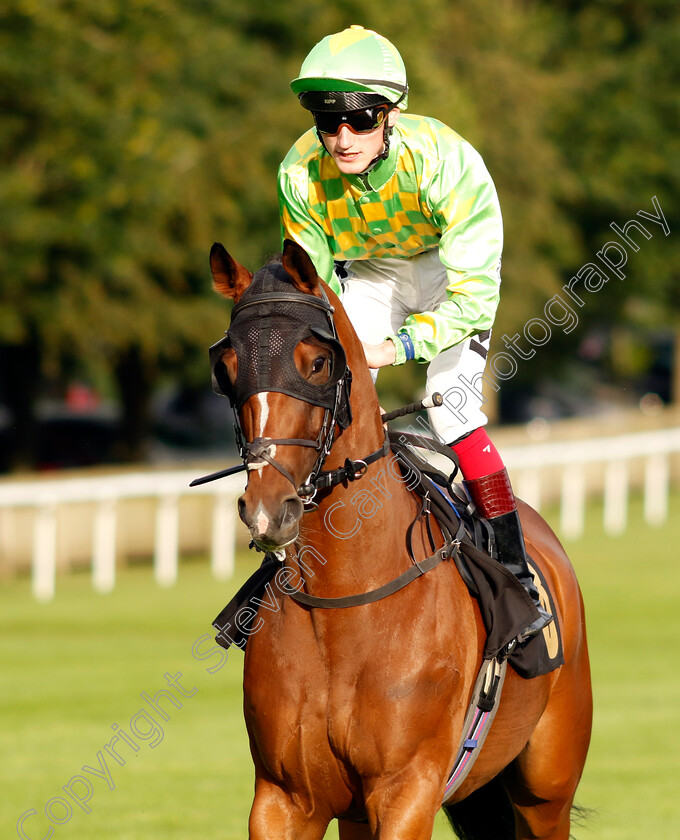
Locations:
{"points": [[357, 63]]}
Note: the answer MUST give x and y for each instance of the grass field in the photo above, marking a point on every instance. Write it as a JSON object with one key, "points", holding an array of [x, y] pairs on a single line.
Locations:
{"points": [[75, 668]]}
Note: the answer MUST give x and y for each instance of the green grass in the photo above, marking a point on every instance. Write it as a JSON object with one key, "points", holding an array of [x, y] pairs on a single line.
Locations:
{"points": [[631, 585], [74, 667]]}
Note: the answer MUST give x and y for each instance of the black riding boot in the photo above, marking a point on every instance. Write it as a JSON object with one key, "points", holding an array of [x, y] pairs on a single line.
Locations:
{"points": [[494, 499]]}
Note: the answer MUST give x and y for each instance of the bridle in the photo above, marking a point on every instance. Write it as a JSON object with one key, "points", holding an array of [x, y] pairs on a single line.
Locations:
{"points": [[337, 411]]}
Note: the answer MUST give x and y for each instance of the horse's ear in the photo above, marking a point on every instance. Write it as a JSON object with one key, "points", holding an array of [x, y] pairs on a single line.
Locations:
{"points": [[297, 263], [229, 278]]}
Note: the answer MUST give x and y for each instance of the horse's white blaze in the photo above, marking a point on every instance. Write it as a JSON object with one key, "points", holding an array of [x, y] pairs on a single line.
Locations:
{"points": [[264, 412], [264, 416], [262, 521]]}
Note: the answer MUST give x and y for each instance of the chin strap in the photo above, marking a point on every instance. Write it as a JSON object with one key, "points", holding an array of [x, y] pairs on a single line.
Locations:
{"points": [[385, 152], [386, 136]]}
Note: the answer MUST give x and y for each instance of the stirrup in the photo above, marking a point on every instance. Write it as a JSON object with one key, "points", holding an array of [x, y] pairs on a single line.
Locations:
{"points": [[543, 620]]}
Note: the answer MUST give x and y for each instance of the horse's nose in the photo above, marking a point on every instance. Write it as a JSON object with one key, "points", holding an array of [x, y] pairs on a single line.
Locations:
{"points": [[271, 529]]}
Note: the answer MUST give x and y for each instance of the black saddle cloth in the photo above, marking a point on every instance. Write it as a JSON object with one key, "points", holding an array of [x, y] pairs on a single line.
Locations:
{"points": [[506, 607]]}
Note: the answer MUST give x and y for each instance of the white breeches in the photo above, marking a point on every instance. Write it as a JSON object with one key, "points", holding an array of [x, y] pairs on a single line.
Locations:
{"points": [[378, 296]]}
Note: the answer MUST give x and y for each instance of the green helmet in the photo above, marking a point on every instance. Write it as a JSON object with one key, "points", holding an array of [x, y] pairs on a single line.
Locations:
{"points": [[354, 61]]}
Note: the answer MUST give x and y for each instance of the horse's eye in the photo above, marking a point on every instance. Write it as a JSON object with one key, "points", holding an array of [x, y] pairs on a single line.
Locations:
{"points": [[319, 363]]}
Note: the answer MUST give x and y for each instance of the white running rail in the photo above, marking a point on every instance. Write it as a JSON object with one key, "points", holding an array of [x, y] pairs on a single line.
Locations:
{"points": [[610, 458], [580, 468], [44, 496]]}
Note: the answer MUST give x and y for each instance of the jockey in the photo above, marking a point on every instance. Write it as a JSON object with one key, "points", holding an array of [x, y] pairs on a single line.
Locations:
{"points": [[401, 218]]}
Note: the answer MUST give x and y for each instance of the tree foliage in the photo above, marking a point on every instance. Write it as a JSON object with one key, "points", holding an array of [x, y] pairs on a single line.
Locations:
{"points": [[618, 129], [136, 133]]}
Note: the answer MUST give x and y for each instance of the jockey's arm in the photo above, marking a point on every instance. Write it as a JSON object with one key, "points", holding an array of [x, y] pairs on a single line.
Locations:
{"points": [[465, 206], [299, 224], [380, 355]]}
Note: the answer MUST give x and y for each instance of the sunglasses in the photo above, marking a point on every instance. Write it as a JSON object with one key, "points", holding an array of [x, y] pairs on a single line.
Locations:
{"points": [[359, 122]]}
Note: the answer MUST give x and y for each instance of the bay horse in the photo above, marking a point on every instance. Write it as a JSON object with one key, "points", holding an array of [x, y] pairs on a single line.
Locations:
{"points": [[356, 714]]}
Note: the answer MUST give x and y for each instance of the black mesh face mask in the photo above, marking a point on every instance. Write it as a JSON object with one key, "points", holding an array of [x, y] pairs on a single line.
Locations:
{"points": [[271, 318], [267, 324]]}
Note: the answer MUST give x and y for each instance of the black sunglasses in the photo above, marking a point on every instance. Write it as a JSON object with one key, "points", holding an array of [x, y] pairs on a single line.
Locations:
{"points": [[359, 122]]}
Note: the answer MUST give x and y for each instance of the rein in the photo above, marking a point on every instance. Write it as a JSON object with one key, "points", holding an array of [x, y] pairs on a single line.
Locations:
{"points": [[349, 471]]}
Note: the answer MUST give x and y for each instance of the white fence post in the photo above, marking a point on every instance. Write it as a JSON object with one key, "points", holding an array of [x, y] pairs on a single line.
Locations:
{"points": [[615, 512], [44, 551], [167, 540], [223, 536], [572, 512], [657, 479], [104, 546], [529, 487]]}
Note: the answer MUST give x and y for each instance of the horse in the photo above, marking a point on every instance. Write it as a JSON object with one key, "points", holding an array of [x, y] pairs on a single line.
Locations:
{"points": [[356, 714]]}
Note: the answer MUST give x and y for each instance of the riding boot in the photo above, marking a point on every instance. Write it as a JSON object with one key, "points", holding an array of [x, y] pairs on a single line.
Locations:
{"points": [[494, 500]]}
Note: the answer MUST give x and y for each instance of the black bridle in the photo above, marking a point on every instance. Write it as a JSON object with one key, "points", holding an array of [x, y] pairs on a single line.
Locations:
{"points": [[338, 415]]}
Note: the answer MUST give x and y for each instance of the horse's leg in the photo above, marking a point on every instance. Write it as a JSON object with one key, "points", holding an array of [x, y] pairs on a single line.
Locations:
{"points": [[275, 815], [354, 831], [542, 780], [404, 808]]}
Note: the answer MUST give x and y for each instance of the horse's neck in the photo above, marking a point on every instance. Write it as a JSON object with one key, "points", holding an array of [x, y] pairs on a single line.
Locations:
{"points": [[364, 520], [360, 526]]}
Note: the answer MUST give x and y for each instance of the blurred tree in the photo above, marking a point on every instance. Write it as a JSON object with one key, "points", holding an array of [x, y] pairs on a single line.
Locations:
{"points": [[120, 165], [618, 128]]}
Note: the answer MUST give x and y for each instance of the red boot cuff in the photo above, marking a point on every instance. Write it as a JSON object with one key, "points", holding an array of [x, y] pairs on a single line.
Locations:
{"points": [[492, 494]]}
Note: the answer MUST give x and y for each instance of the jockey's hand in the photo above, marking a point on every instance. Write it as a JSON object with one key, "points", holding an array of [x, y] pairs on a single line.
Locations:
{"points": [[380, 355]]}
